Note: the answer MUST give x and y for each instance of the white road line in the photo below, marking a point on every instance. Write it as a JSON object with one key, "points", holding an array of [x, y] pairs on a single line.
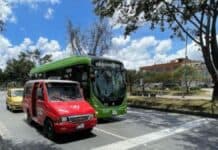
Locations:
{"points": [[109, 133], [135, 112], [147, 138]]}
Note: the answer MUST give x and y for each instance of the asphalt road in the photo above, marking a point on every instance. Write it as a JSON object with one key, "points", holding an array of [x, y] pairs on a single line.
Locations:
{"points": [[139, 129]]}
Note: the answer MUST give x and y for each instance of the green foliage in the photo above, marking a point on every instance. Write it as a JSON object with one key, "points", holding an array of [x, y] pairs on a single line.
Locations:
{"points": [[159, 13], [36, 57], [151, 77], [185, 72], [18, 69], [131, 78]]}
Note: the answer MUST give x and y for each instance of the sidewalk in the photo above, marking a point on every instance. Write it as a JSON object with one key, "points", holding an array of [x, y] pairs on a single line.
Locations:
{"points": [[185, 97], [207, 95]]}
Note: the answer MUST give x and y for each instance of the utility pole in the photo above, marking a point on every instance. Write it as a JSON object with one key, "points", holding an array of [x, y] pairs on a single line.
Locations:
{"points": [[186, 58]]}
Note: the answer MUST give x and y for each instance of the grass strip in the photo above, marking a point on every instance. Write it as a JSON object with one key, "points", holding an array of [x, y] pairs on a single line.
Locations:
{"points": [[196, 107]]}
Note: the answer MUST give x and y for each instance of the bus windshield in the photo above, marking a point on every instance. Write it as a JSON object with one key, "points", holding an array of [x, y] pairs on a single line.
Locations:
{"points": [[63, 91], [109, 84]]}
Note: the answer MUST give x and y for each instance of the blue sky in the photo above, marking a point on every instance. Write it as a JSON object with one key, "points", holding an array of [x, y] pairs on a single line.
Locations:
{"points": [[42, 24], [31, 22]]}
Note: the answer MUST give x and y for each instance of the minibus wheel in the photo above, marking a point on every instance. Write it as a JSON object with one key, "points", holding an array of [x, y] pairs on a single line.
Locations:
{"points": [[28, 118], [89, 130], [48, 129]]}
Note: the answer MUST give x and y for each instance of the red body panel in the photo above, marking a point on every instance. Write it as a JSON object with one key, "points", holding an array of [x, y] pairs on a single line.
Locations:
{"points": [[54, 110]]}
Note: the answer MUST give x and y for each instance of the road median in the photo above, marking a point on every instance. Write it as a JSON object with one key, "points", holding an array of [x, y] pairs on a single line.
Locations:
{"points": [[194, 107]]}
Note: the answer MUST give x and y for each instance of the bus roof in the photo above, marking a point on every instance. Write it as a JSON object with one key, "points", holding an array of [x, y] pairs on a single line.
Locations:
{"points": [[66, 62], [73, 60]]}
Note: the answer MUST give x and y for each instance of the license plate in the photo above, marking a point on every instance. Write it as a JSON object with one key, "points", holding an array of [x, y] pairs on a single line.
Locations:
{"points": [[114, 112], [80, 126]]}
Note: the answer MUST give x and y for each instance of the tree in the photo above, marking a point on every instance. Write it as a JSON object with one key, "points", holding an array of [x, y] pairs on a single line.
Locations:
{"points": [[45, 59], [186, 75], [1, 25], [96, 40], [75, 39], [18, 69], [131, 77], [99, 38], [196, 19], [36, 57]]}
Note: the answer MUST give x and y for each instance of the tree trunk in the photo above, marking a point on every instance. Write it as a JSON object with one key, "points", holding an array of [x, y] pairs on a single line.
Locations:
{"points": [[215, 92], [130, 89]]}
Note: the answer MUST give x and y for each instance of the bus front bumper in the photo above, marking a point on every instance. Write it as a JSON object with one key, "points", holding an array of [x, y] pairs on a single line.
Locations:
{"points": [[111, 111]]}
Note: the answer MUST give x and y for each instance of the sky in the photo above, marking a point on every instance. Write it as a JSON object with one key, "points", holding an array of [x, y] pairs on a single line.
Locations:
{"points": [[41, 24]]}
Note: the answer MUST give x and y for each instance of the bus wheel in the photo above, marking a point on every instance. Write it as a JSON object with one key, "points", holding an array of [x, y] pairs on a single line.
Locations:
{"points": [[48, 129]]}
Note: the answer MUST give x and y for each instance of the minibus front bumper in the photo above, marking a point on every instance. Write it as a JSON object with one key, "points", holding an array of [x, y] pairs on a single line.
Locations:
{"points": [[69, 127]]}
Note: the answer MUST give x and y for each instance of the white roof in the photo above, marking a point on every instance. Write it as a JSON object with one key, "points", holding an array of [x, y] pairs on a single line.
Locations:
{"points": [[52, 81]]}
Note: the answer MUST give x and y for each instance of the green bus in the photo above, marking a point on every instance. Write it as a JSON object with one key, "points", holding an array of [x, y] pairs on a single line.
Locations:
{"points": [[103, 81]]}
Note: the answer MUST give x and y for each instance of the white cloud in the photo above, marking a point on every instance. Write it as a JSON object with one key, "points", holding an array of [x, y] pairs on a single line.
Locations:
{"points": [[193, 52], [49, 13], [4, 43], [6, 13], [148, 51], [46, 46], [163, 46], [120, 41], [135, 53]]}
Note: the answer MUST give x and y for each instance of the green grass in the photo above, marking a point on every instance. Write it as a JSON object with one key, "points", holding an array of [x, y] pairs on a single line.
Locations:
{"points": [[199, 107]]}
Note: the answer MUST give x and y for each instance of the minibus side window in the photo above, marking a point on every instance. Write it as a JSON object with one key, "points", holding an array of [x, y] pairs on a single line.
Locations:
{"points": [[39, 93]]}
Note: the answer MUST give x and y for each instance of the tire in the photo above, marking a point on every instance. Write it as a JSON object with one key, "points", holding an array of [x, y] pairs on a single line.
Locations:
{"points": [[28, 118], [7, 107], [88, 131], [48, 129]]}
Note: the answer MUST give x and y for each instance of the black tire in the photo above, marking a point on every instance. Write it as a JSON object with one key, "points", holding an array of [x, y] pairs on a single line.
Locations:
{"points": [[7, 107], [48, 129], [28, 118], [88, 131]]}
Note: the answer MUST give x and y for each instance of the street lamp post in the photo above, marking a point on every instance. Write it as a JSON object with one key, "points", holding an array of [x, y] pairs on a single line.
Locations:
{"points": [[185, 70]]}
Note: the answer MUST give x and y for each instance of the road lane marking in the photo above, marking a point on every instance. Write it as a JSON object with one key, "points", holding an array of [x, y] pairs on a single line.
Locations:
{"points": [[135, 112], [110, 133], [147, 138]]}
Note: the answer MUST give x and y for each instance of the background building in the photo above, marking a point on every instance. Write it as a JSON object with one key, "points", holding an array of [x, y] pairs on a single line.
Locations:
{"points": [[204, 78]]}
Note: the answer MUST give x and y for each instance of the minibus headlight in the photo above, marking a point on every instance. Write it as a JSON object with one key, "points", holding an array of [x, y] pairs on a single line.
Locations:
{"points": [[91, 116], [64, 119]]}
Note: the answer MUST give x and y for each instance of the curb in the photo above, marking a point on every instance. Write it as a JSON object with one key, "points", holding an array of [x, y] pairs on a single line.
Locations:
{"points": [[177, 111]]}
